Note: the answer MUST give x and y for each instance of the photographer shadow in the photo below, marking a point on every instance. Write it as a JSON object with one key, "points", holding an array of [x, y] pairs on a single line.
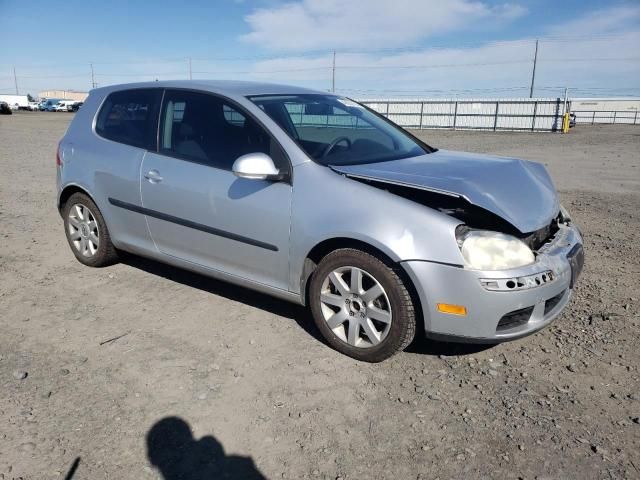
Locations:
{"points": [[173, 450]]}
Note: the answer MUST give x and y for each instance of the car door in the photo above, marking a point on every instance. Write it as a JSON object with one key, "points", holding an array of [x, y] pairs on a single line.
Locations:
{"points": [[197, 209], [108, 163]]}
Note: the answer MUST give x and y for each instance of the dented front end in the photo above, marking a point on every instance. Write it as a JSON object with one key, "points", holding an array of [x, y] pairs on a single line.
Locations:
{"points": [[499, 304]]}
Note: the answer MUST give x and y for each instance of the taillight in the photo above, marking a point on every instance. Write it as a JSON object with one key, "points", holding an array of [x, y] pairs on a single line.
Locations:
{"points": [[58, 160]]}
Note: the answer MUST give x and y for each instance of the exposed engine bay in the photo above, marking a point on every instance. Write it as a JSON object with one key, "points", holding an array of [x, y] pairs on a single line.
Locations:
{"points": [[473, 216]]}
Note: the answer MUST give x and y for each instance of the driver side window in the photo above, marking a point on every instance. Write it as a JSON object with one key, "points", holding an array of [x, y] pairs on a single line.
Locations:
{"points": [[206, 129]]}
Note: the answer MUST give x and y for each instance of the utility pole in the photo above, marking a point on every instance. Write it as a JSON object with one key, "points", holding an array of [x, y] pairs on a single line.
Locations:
{"points": [[15, 80], [533, 74], [93, 77], [333, 74], [190, 72]]}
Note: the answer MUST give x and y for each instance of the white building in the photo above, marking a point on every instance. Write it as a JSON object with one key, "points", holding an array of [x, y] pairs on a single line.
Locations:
{"points": [[64, 94]]}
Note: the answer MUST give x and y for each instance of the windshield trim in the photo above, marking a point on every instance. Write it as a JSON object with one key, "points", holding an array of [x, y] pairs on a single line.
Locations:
{"points": [[427, 148]]}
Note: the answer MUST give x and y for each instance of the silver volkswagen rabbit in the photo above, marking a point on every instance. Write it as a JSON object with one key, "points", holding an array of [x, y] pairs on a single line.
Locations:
{"points": [[316, 199]]}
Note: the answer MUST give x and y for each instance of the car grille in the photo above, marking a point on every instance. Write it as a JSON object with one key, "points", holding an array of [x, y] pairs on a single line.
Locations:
{"points": [[515, 319], [552, 302]]}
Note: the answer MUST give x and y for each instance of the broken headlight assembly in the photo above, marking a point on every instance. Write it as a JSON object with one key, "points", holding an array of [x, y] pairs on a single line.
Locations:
{"points": [[564, 215], [486, 250]]}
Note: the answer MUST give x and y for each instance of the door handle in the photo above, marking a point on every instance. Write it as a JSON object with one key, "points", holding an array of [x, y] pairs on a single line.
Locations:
{"points": [[153, 176]]}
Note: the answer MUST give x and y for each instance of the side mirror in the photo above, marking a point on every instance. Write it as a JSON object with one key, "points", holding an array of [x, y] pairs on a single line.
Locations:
{"points": [[256, 166]]}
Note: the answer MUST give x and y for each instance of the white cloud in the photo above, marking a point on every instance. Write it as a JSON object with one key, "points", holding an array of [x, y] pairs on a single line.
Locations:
{"points": [[590, 52], [610, 20], [605, 38], [323, 24]]}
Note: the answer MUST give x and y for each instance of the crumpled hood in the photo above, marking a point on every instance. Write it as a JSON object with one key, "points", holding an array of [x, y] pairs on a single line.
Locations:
{"points": [[519, 191]]}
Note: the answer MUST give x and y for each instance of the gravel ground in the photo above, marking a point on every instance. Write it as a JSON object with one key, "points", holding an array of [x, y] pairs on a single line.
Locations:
{"points": [[208, 380]]}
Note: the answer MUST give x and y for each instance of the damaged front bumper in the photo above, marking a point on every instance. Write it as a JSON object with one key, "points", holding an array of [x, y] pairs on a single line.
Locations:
{"points": [[500, 305]]}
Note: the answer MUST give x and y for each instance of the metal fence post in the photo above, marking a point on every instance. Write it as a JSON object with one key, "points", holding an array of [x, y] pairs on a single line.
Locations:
{"points": [[495, 119], [614, 116], [635, 117], [593, 118], [455, 115], [533, 120], [387, 115], [421, 113]]}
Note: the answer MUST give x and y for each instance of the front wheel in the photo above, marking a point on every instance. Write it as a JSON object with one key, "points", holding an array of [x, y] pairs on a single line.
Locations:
{"points": [[361, 306]]}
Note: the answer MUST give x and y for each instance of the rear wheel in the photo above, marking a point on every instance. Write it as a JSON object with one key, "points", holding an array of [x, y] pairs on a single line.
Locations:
{"points": [[87, 232], [361, 305]]}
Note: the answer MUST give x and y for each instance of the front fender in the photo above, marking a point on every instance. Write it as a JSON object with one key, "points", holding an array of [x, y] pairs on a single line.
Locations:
{"points": [[327, 205]]}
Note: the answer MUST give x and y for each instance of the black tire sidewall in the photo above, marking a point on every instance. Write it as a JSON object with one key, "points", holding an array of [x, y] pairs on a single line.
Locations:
{"points": [[396, 293]]}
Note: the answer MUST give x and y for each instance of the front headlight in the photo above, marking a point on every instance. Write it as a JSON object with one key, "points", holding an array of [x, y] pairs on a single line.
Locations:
{"points": [[485, 250]]}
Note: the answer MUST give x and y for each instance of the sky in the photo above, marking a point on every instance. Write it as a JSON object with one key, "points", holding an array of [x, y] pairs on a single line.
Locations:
{"points": [[383, 48]]}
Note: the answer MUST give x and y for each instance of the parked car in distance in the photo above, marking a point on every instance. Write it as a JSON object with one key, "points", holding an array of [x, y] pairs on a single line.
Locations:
{"points": [[63, 106], [49, 104], [73, 107], [33, 106], [5, 109], [316, 199]]}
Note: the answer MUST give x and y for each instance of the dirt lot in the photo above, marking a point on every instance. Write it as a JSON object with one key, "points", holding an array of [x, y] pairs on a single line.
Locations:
{"points": [[255, 390]]}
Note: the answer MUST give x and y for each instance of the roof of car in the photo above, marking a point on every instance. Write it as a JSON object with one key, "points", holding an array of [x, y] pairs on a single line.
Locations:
{"points": [[228, 87]]}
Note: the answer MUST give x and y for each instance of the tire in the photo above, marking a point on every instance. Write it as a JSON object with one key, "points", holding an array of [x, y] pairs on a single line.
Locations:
{"points": [[365, 310], [82, 233]]}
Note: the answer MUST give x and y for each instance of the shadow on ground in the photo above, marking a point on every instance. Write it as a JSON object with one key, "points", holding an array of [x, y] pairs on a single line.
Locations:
{"points": [[172, 449], [424, 346], [72, 469], [282, 308], [230, 291]]}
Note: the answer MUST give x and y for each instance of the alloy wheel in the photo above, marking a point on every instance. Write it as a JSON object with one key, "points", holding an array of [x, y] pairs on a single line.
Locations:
{"points": [[83, 230], [356, 307]]}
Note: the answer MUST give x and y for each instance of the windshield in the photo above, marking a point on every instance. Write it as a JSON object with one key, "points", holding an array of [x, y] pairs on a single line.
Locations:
{"points": [[338, 131]]}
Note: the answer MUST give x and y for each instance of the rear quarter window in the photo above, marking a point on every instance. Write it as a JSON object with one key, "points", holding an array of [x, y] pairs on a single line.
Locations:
{"points": [[130, 117]]}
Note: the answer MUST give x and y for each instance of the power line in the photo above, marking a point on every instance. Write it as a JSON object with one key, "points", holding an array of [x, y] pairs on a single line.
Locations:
{"points": [[484, 64], [55, 76], [141, 74], [347, 51], [435, 90], [244, 72]]}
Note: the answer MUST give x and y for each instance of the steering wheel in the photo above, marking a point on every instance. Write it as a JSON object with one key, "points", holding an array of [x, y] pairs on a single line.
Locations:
{"points": [[332, 145]]}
